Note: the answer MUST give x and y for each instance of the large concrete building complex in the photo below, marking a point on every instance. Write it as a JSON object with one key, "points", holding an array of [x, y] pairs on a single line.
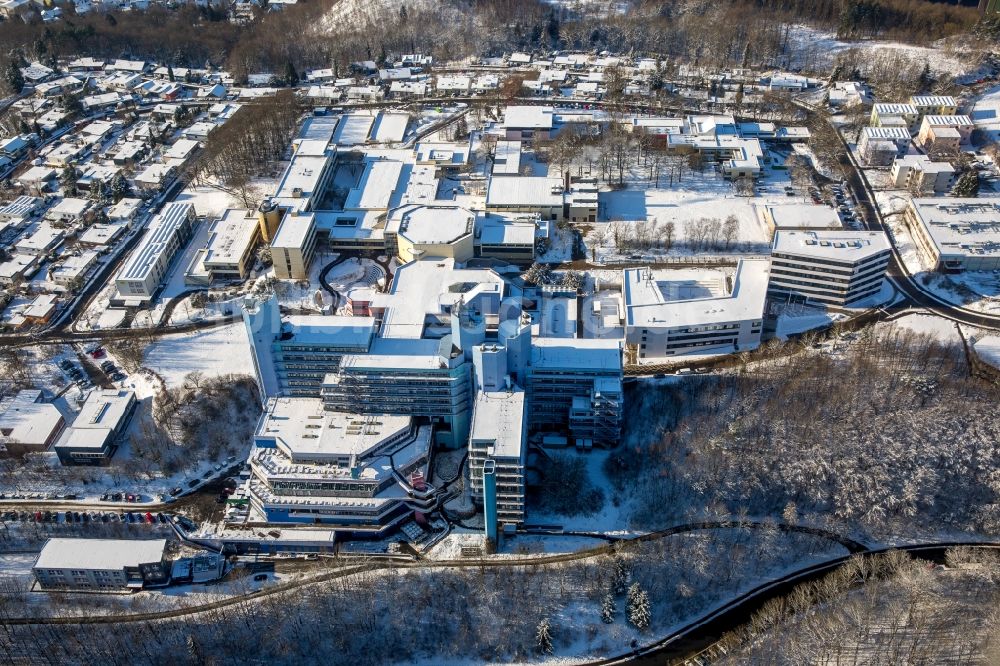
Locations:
{"points": [[838, 268], [499, 431]]}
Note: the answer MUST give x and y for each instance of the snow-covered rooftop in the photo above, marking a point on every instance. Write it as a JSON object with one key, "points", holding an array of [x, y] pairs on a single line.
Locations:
{"points": [[649, 300], [99, 554]]}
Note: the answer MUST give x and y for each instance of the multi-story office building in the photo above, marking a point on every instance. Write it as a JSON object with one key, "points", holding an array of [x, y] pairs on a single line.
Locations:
{"points": [[934, 105], [879, 146], [560, 371], [293, 246], [425, 378], [168, 232], [499, 431], [881, 113], [292, 355], [363, 472], [99, 428], [837, 268], [668, 315], [918, 173], [101, 564]]}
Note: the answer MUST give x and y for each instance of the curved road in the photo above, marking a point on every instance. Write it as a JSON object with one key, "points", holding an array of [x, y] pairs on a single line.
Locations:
{"points": [[875, 221]]}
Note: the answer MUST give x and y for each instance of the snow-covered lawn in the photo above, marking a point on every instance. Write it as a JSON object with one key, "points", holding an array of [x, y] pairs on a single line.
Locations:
{"points": [[218, 351], [939, 328]]}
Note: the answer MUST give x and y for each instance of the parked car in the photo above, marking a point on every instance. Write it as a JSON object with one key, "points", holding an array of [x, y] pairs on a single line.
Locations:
{"points": [[117, 377], [176, 491], [259, 577]]}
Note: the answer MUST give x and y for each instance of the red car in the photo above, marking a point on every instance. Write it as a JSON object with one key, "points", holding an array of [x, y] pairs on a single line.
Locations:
{"points": [[98, 353], [149, 517]]}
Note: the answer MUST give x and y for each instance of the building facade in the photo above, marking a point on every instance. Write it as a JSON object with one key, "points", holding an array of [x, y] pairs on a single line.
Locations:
{"points": [[838, 268]]}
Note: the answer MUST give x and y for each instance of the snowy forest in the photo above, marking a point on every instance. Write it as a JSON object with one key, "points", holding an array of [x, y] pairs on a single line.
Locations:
{"points": [[595, 603], [892, 436], [906, 612]]}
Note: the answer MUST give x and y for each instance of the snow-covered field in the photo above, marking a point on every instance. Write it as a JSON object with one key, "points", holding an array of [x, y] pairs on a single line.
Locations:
{"points": [[817, 49], [219, 351]]}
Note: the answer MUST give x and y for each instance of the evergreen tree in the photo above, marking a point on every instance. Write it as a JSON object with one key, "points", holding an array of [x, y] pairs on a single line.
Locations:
{"points": [[967, 185], [638, 607], [170, 73], [620, 576], [925, 76], [118, 188], [68, 179], [552, 29], [291, 76], [13, 77], [402, 13], [608, 609], [543, 636], [97, 190]]}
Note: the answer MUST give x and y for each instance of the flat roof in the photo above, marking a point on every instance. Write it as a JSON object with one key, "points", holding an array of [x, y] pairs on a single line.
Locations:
{"points": [[294, 230], [99, 554], [85, 438], [498, 417], [124, 209], [333, 330], [162, 230], [948, 121], [431, 224], [302, 176], [961, 226], [843, 245], [650, 300], [377, 185], [595, 354], [527, 191], [528, 117], [895, 109], [431, 287], [507, 158], [20, 207], [71, 206], [354, 129], [891, 133], [305, 431], [498, 230], [230, 237], [27, 422], [104, 408], [390, 127], [933, 100], [803, 216]]}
